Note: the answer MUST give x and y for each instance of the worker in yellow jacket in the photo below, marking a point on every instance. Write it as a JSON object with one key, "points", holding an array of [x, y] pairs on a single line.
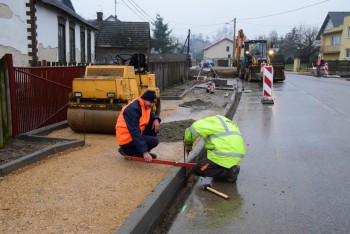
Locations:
{"points": [[224, 144]]}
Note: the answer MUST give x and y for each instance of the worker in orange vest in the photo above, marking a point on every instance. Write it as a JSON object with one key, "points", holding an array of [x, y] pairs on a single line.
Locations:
{"points": [[320, 62], [137, 127]]}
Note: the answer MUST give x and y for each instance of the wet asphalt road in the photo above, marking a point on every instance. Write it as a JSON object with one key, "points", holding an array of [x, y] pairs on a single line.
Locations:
{"points": [[295, 177]]}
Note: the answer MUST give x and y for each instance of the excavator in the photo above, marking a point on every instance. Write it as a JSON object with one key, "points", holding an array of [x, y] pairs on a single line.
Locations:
{"points": [[249, 60], [97, 99]]}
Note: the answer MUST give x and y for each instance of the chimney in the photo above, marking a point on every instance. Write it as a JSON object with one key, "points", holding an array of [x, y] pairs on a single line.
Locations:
{"points": [[99, 16]]}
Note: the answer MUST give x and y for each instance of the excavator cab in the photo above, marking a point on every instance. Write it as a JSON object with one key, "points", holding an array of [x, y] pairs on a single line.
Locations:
{"points": [[255, 53]]}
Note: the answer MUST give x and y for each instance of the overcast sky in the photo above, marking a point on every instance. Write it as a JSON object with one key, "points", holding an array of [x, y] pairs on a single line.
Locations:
{"points": [[255, 17]]}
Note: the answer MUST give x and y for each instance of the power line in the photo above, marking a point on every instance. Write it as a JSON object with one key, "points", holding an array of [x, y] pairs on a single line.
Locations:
{"points": [[284, 12], [134, 11], [150, 17], [143, 17], [277, 25], [242, 19], [138, 9]]}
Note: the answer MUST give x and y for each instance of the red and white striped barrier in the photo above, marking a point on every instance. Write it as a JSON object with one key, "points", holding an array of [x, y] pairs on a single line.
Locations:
{"points": [[267, 85]]}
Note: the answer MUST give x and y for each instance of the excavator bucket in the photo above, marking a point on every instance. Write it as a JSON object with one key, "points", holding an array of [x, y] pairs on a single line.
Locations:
{"points": [[278, 72], [254, 73]]}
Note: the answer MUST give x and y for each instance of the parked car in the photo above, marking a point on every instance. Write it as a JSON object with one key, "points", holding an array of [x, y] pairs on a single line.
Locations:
{"points": [[207, 63]]}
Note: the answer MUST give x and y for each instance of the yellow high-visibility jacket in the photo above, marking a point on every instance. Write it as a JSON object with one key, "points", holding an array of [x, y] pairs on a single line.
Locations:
{"points": [[223, 140]]}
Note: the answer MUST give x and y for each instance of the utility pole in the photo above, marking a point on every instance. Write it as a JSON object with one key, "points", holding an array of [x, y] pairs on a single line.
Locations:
{"points": [[115, 10], [234, 39]]}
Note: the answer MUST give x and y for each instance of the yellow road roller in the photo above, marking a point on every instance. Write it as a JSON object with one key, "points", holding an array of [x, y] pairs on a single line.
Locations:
{"points": [[97, 99]]}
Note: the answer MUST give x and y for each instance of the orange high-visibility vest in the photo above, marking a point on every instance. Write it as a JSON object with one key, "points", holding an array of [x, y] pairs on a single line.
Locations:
{"points": [[122, 131]]}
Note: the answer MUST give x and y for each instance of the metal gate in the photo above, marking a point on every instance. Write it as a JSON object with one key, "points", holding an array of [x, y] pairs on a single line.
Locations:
{"points": [[40, 95]]}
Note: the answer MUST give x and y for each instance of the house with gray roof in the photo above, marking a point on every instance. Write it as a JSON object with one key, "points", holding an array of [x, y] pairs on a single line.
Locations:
{"points": [[334, 36], [37, 32], [117, 37]]}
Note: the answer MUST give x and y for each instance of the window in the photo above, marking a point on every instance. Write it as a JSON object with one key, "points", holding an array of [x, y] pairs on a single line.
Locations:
{"points": [[82, 45], [71, 42], [347, 53], [227, 48], [61, 40], [335, 40], [89, 46]]}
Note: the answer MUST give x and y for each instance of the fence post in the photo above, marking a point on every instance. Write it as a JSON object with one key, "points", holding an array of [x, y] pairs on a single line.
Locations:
{"points": [[296, 65], [13, 100], [6, 131], [3, 100]]}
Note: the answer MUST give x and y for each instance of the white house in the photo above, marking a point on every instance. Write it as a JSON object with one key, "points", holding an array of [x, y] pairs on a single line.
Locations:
{"points": [[39, 31], [220, 51]]}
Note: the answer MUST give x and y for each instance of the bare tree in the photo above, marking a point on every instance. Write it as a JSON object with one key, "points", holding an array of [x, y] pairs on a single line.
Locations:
{"points": [[308, 45], [222, 33], [291, 43], [301, 43], [273, 38]]}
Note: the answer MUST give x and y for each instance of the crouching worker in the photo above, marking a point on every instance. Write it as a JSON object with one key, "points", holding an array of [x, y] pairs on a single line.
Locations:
{"points": [[137, 127], [224, 144]]}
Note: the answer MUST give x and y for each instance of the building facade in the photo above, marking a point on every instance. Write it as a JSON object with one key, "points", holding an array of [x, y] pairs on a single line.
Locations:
{"points": [[220, 52], [334, 36], [40, 32]]}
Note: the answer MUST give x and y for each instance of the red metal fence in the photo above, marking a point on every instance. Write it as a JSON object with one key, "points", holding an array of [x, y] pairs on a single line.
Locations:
{"points": [[40, 95]]}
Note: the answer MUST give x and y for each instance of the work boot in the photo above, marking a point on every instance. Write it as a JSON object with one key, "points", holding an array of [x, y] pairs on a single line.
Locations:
{"points": [[234, 174], [121, 151], [153, 155], [141, 155]]}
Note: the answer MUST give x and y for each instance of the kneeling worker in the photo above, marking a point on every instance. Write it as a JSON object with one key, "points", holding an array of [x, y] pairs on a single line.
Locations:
{"points": [[224, 144], [137, 127]]}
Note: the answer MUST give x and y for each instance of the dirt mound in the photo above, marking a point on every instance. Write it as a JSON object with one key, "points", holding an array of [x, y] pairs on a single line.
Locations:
{"points": [[173, 131], [198, 105], [222, 72], [177, 89]]}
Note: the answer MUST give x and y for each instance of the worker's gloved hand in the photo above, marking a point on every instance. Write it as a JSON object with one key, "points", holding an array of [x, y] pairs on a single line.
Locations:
{"points": [[188, 148]]}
